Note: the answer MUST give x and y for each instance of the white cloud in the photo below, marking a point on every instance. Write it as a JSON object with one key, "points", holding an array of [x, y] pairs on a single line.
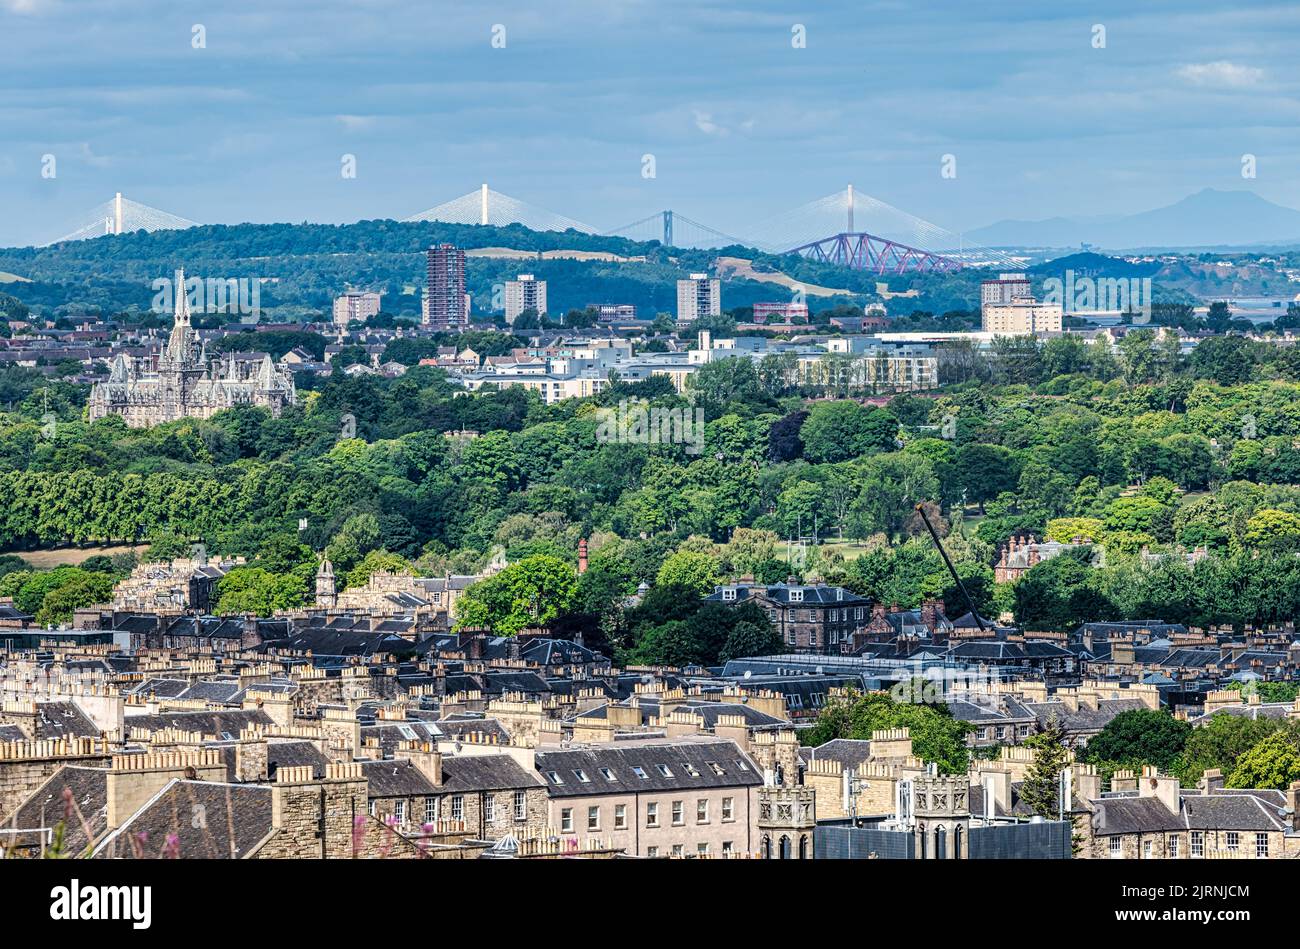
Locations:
{"points": [[704, 122], [1222, 74], [26, 6], [356, 123]]}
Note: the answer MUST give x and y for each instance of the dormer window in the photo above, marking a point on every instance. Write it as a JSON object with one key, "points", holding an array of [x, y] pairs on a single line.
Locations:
{"points": [[796, 596], [729, 593]]}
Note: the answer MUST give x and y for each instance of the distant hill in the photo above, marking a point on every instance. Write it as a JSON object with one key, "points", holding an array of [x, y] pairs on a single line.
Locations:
{"points": [[1205, 219], [306, 265]]}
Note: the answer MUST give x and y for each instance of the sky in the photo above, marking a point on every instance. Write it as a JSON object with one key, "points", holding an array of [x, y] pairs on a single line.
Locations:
{"points": [[743, 122]]}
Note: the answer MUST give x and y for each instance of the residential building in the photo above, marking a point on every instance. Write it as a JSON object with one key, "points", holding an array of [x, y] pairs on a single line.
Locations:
{"points": [[446, 306], [698, 296], [809, 617], [656, 797], [355, 305], [525, 293]]}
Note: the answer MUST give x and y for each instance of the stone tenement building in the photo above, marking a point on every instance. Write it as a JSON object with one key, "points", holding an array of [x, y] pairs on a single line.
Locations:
{"points": [[181, 381]]}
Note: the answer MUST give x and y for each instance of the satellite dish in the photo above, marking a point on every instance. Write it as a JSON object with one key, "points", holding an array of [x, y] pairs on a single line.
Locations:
{"points": [[748, 673]]}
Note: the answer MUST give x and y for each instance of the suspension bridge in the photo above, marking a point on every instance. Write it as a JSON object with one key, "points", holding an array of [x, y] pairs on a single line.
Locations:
{"points": [[121, 215]]}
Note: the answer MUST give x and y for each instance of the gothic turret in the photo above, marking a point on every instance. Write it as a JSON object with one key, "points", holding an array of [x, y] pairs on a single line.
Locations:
{"points": [[326, 587]]}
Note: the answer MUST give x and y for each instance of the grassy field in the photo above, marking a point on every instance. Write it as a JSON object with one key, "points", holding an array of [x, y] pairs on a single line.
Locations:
{"points": [[71, 556]]}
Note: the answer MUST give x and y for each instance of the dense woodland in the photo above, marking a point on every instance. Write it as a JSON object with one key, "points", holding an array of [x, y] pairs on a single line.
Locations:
{"points": [[1136, 449]]}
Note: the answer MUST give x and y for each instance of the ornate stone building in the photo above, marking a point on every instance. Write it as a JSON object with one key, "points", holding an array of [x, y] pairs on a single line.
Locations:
{"points": [[181, 381]]}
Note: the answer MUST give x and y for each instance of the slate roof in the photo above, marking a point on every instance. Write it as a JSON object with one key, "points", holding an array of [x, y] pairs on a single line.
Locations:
{"points": [[392, 734], [236, 818], [1132, 815], [1224, 809], [340, 642], [295, 754], [397, 777], [45, 807], [63, 720], [1253, 712], [990, 713], [1085, 719], [693, 764], [848, 751], [813, 595], [222, 724], [485, 773]]}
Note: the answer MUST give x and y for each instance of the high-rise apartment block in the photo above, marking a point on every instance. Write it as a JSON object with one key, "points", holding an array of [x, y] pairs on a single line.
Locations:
{"points": [[698, 296], [446, 306], [525, 293]]}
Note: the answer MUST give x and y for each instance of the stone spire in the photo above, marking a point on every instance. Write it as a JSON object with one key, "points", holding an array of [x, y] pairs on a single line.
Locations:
{"points": [[180, 345]]}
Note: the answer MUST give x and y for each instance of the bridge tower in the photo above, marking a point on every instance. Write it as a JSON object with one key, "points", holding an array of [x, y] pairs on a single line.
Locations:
{"points": [[668, 228]]}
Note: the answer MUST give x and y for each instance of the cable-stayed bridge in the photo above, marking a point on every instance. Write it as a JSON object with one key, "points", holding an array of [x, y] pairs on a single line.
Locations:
{"points": [[488, 207], [121, 215], [847, 228]]}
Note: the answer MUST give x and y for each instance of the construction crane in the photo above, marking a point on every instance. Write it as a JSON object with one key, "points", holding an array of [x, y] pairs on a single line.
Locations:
{"points": [[934, 534]]}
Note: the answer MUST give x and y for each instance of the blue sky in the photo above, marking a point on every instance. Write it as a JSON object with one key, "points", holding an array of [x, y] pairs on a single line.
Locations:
{"points": [[742, 125]]}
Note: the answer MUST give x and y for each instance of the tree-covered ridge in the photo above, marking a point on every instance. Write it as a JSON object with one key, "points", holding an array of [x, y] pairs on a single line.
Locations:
{"points": [[1144, 453]]}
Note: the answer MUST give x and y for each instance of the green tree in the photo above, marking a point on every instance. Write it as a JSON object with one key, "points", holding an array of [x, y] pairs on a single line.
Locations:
{"points": [[1140, 737], [1041, 789], [1274, 762], [841, 431], [374, 561], [936, 736], [259, 591], [690, 572], [532, 592]]}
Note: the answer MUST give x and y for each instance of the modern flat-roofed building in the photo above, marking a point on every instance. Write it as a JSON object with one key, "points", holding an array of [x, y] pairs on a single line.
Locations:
{"points": [[1023, 317], [355, 305], [698, 296], [1005, 289], [609, 312], [781, 312], [525, 293]]}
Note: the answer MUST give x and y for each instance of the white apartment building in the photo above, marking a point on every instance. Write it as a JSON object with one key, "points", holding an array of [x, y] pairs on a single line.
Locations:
{"points": [[525, 293], [698, 296]]}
